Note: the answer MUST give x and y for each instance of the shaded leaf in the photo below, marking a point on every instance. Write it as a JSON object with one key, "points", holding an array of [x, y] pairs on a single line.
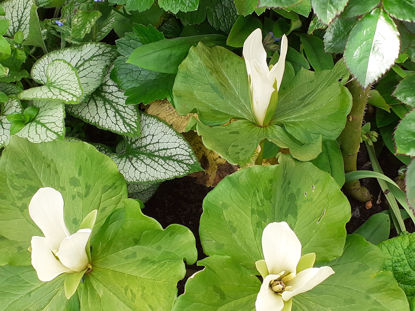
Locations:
{"points": [[327, 10]]}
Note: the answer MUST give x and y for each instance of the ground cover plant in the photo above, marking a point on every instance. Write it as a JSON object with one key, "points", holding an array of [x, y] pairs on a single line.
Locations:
{"points": [[293, 121]]}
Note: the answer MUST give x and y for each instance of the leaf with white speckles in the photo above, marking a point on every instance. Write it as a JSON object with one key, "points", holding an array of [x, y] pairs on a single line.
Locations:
{"points": [[12, 106], [91, 62], [106, 109], [372, 47], [62, 85], [48, 124], [158, 154], [18, 14]]}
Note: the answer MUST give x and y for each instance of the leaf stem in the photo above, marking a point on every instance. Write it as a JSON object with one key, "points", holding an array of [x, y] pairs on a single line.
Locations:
{"points": [[397, 219], [260, 157]]}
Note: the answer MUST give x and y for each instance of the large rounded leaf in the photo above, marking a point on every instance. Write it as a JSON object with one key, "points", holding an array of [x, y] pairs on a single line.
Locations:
{"points": [[309, 200]]}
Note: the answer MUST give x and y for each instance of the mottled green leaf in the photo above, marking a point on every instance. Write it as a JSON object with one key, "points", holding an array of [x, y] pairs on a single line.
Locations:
{"points": [[221, 14], [327, 10], [372, 47], [175, 6], [10, 107], [82, 23], [405, 91], [106, 109], [405, 135]]}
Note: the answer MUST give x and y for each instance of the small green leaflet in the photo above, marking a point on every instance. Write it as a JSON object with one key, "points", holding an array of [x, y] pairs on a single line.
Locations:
{"points": [[48, 125], [400, 261], [158, 154], [18, 14], [327, 10], [337, 34], [405, 135], [91, 62], [405, 90], [12, 106], [106, 109], [372, 47], [62, 85]]}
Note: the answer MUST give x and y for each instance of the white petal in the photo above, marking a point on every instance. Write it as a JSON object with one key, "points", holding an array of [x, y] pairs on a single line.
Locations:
{"points": [[72, 251], [281, 248], [277, 72], [306, 280], [254, 53], [46, 210], [267, 300], [43, 260]]}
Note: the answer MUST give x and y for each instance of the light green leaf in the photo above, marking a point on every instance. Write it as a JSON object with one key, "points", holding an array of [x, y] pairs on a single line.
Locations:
{"points": [[278, 3], [410, 184], [82, 23], [327, 10], [358, 7], [314, 50], [303, 8], [376, 229], [106, 109], [10, 107], [34, 37], [18, 14], [358, 283], [331, 161], [63, 85], [160, 153], [166, 55], [372, 47], [245, 7], [91, 61], [71, 283], [175, 6], [50, 3], [405, 91], [134, 5], [400, 261], [403, 10], [48, 125], [136, 264], [89, 181], [237, 210], [337, 34], [377, 100], [20, 289], [405, 135]]}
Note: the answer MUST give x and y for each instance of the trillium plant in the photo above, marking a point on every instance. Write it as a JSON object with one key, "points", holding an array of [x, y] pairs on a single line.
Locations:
{"points": [[285, 273], [237, 125]]}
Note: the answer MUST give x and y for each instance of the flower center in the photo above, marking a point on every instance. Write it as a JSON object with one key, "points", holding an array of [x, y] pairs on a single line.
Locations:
{"points": [[277, 286]]}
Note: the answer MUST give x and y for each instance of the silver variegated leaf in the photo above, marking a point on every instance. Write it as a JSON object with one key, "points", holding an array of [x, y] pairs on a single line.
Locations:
{"points": [[160, 153], [11, 106], [62, 85], [18, 14], [48, 125], [106, 109], [91, 62]]}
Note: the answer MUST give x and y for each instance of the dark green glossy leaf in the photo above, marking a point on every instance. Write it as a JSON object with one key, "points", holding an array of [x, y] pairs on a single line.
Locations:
{"points": [[327, 10], [358, 7], [403, 10], [337, 34], [175, 6], [405, 91], [245, 7], [221, 14], [405, 135], [242, 28]]}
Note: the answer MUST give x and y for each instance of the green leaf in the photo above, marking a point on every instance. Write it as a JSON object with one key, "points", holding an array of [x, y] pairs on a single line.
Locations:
{"points": [[327, 10], [400, 261], [4, 26], [278, 3], [360, 261], [18, 14], [372, 47], [376, 229], [48, 125], [242, 28], [134, 5], [158, 154], [405, 90], [136, 264], [20, 289], [35, 31], [403, 10], [221, 14], [331, 161], [405, 135], [91, 62], [222, 285], [377, 100], [62, 85], [82, 23], [12, 106], [175, 6], [241, 205], [142, 192], [89, 181], [49, 3], [314, 50], [106, 109], [245, 7], [219, 85], [166, 55], [357, 7], [71, 283], [410, 184], [337, 34]]}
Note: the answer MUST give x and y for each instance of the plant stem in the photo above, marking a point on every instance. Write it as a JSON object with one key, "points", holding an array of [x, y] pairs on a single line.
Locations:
{"points": [[260, 157], [350, 140], [398, 221]]}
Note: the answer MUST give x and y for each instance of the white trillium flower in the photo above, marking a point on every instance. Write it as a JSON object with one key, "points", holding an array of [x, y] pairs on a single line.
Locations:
{"points": [[263, 81], [282, 253], [57, 252]]}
